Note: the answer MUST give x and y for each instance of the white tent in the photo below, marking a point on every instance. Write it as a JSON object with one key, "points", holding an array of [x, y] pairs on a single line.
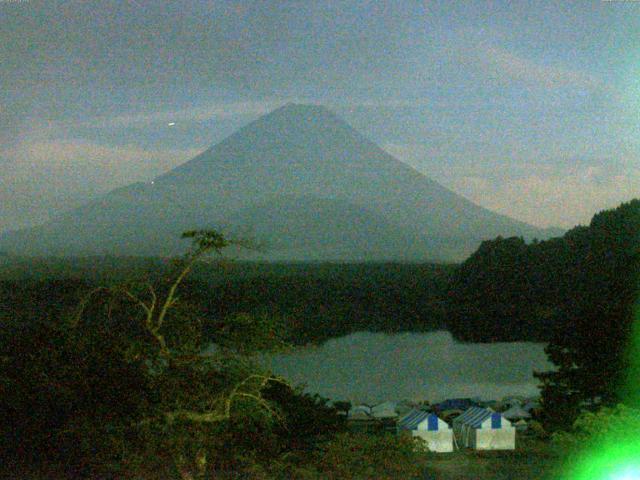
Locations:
{"points": [[516, 413], [434, 431], [531, 405], [484, 429], [508, 402], [384, 410], [405, 406], [360, 412]]}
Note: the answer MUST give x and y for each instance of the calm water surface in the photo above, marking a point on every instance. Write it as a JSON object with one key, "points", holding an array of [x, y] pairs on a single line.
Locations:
{"points": [[373, 367]]}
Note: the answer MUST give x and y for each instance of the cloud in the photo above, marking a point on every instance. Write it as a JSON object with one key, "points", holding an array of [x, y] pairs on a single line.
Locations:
{"points": [[225, 110], [103, 165], [45, 177], [501, 64], [196, 113], [145, 52], [564, 199], [562, 191]]}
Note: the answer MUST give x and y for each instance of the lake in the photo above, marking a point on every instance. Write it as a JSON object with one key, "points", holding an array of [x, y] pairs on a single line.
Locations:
{"points": [[373, 367]]}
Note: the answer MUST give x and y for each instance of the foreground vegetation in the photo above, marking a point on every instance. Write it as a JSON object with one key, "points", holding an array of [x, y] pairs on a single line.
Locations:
{"points": [[533, 459], [119, 387]]}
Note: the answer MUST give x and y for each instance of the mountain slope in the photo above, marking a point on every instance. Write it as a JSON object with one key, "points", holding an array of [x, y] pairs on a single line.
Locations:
{"points": [[304, 180]]}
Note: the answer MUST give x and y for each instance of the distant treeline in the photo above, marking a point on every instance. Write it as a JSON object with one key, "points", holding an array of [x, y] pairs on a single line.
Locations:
{"points": [[315, 301], [326, 302]]}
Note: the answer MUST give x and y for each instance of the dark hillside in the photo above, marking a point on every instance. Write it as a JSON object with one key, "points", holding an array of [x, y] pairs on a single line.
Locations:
{"points": [[509, 289]]}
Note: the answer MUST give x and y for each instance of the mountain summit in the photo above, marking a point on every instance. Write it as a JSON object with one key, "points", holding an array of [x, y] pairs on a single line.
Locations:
{"points": [[300, 179]]}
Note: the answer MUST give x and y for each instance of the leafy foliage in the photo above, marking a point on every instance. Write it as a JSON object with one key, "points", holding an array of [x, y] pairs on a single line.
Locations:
{"points": [[120, 382], [509, 291], [362, 456], [592, 366], [308, 420], [616, 423], [66, 395], [127, 368]]}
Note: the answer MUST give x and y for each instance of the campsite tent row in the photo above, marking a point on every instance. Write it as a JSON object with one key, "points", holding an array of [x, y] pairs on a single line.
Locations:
{"points": [[512, 408], [477, 428], [484, 429]]}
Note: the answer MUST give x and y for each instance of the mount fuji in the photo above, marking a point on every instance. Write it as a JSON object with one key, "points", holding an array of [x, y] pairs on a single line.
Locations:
{"points": [[300, 180]]}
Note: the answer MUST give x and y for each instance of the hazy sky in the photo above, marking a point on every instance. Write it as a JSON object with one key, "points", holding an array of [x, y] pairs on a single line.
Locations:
{"points": [[529, 108]]}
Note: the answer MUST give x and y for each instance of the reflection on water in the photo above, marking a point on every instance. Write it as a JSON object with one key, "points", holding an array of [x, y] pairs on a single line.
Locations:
{"points": [[372, 367]]}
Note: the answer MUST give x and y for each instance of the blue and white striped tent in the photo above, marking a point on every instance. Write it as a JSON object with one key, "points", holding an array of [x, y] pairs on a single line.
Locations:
{"points": [[484, 429], [476, 416], [436, 432], [384, 410]]}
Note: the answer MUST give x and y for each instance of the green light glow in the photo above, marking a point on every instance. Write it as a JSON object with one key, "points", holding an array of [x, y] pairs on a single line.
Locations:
{"points": [[616, 455], [618, 460], [630, 473]]}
